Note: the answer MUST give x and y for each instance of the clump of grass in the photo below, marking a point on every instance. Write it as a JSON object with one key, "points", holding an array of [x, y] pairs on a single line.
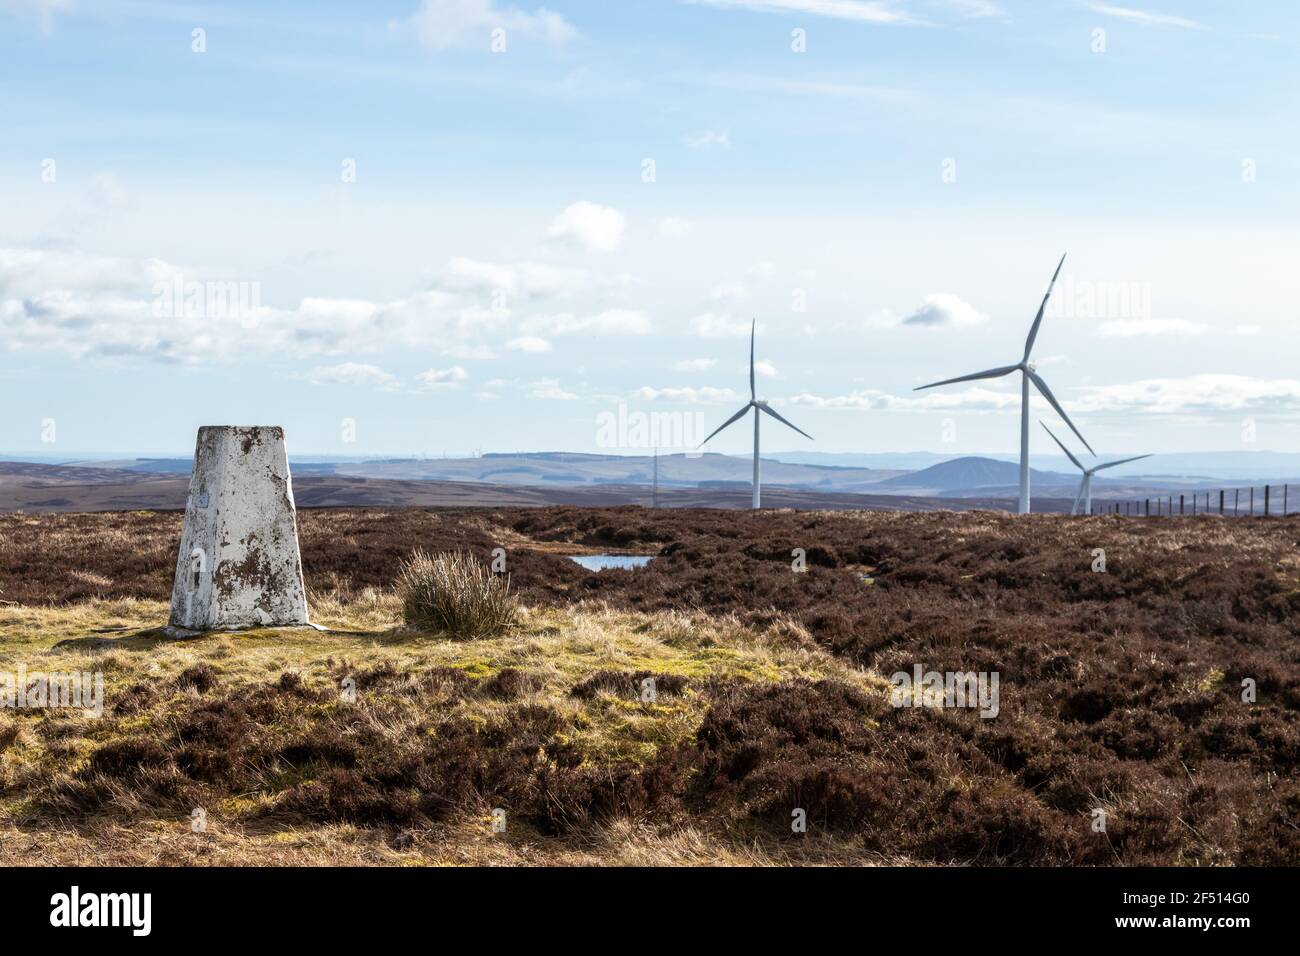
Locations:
{"points": [[455, 593]]}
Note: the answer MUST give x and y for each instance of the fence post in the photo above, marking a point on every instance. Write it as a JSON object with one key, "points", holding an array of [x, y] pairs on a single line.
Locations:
{"points": [[1284, 487], [1236, 500], [1220, 501], [1266, 501], [1148, 507], [1252, 501], [1181, 509]]}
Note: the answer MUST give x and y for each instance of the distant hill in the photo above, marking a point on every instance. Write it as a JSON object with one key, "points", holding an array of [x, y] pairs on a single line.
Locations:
{"points": [[966, 474], [43, 488], [553, 475], [564, 468]]}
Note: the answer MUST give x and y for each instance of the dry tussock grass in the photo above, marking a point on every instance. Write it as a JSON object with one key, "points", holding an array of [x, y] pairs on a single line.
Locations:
{"points": [[455, 593], [121, 787]]}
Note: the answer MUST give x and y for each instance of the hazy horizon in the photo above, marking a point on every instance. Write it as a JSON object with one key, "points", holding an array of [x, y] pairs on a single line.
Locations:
{"points": [[1224, 464]]}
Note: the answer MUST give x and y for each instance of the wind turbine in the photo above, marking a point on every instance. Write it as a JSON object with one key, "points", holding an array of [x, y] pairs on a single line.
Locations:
{"points": [[758, 405], [1027, 375], [1085, 485]]}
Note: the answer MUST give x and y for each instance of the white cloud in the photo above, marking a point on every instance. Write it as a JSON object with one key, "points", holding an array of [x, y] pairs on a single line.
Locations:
{"points": [[943, 309], [476, 352], [549, 388], [91, 306], [728, 292], [590, 226], [709, 325], [528, 343], [468, 24], [352, 373], [1249, 329], [1142, 16], [525, 281], [765, 369], [1193, 394], [695, 365], [972, 399], [709, 139], [463, 272], [1201, 395], [616, 322], [687, 394], [442, 377], [107, 307], [1128, 328], [863, 11], [609, 322]]}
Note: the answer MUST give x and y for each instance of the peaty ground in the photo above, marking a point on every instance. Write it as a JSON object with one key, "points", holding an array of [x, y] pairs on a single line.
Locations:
{"points": [[688, 712]]}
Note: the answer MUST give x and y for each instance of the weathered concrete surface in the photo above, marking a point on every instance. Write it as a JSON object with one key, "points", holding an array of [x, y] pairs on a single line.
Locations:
{"points": [[239, 564]]}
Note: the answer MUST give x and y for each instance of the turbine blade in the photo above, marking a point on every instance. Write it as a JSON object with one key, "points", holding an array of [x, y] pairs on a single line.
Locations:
{"points": [[1068, 454], [1122, 461], [989, 373], [1038, 319], [1047, 394], [764, 408], [725, 424], [753, 324]]}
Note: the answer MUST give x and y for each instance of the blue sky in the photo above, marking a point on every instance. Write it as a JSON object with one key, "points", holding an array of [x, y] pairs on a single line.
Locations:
{"points": [[438, 247]]}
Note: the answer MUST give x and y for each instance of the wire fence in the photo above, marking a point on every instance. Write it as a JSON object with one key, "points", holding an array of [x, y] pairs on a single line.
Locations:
{"points": [[1228, 502]]}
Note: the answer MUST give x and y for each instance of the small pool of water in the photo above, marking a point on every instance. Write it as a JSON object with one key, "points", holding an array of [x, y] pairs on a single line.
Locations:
{"points": [[599, 562]]}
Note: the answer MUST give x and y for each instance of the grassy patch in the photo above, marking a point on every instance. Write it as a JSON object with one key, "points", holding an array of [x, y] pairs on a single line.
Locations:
{"points": [[256, 729]]}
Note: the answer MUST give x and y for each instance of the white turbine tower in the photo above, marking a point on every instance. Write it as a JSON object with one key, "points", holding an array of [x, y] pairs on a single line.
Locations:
{"points": [[1027, 375], [758, 405], [1085, 485]]}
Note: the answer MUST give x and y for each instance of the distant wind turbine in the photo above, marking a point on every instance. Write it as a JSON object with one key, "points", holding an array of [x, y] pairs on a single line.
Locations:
{"points": [[1028, 375], [758, 405], [1085, 485]]}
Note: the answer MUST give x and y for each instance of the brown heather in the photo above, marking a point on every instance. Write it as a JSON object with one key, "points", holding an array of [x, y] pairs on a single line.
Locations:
{"points": [[1119, 691]]}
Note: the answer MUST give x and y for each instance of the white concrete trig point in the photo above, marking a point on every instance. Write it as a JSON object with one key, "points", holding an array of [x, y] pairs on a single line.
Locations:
{"points": [[239, 565]]}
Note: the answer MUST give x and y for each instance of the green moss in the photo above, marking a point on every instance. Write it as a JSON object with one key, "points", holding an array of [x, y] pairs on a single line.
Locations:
{"points": [[479, 667], [613, 729]]}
